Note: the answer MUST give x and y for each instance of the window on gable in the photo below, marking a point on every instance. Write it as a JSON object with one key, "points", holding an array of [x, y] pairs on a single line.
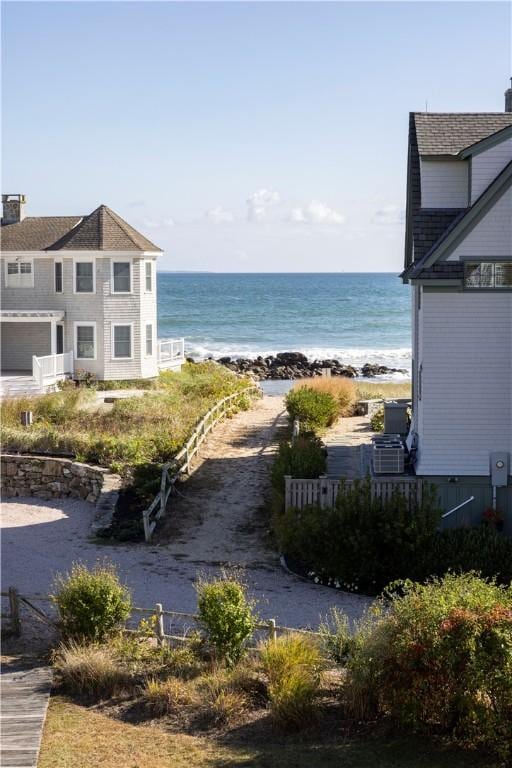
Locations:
{"points": [[84, 276], [488, 274], [149, 276], [122, 341], [121, 274], [19, 274]]}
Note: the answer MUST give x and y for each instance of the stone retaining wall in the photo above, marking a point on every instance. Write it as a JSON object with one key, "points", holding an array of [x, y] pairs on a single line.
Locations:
{"points": [[48, 478]]}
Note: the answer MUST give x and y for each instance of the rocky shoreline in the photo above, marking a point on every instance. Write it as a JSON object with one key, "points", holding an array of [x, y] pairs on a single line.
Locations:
{"points": [[295, 365]]}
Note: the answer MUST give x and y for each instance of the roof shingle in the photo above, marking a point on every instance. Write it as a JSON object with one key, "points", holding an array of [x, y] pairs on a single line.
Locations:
{"points": [[447, 133]]}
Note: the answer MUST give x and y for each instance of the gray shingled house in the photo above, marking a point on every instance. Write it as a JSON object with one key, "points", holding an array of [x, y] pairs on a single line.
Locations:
{"points": [[458, 260], [78, 297]]}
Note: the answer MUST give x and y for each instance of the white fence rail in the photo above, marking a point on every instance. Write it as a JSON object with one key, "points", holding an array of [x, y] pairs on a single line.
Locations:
{"points": [[48, 369], [170, 352], [181, 463], [323, 491]]}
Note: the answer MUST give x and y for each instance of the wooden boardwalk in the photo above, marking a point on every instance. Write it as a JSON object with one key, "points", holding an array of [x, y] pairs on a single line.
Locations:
{"points": [[24, 699], [345, 442]]}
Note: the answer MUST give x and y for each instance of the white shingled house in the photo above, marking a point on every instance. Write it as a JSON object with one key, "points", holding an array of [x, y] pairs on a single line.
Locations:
{"points": [[78, 297], [458, 260]]}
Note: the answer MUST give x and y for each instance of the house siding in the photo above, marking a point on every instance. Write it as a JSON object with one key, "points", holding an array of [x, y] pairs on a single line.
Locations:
{"points": [[444, 183], [487, 165], [465, 412], [492, 236]]}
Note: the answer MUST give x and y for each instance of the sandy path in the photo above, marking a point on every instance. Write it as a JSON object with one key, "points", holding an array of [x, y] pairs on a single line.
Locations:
{"points": [[217, 519]]}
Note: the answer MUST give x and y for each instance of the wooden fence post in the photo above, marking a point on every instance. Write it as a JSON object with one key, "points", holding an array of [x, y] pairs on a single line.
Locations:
{"points": [[322, 491], [287, 492], [159, 625], [162, 490], [14, 607], [272, 632]]}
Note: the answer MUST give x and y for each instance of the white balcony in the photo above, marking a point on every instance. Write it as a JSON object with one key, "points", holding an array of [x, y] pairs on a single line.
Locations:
{"points": [[171, 354]]}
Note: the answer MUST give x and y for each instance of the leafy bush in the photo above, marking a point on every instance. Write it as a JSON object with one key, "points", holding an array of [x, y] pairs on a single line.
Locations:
{"points": [[377, 421], [292, 664], [339, 641], [364, 542], [227, 615], [91, 603], [315, 410], [343, 391], [90, 670], [306, 458], [440, 658]]}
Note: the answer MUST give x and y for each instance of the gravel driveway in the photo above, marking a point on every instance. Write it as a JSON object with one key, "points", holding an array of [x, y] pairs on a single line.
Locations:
{"points": [[215, 520]]}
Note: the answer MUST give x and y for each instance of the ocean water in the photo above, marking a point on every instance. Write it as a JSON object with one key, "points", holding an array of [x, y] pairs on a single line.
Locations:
{"points": [[355, 318]]}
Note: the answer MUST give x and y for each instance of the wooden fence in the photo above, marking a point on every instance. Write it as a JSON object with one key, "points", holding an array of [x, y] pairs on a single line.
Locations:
{"points": [[268, 628], [181, 464], [323, 491]]}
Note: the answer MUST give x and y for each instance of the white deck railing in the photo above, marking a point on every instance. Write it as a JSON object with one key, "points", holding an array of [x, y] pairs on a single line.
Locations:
{"points": [[171, 352], [48, 369]]}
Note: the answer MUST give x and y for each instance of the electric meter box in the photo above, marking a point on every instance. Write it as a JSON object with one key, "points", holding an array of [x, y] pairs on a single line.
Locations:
{"points": [[499, 468]]}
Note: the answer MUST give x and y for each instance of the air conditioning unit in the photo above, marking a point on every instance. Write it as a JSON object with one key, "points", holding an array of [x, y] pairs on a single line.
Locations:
{"points": [[388, 455]]}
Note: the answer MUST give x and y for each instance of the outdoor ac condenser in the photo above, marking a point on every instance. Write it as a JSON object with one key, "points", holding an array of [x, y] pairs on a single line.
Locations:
{"points": [[388, 455]]}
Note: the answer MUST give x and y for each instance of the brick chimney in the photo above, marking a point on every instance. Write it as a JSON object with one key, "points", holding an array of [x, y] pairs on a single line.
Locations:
{"points": [[13, 208], [508, 98]]}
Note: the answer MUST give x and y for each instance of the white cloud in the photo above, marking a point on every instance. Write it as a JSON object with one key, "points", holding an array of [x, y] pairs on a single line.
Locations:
{"points": [[315, 212], [259, 203], [390, 214], [165, 223], [219, 215]]}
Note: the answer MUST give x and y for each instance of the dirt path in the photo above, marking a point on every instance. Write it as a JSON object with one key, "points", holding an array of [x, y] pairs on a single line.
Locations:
{"points": [[218, 519]]}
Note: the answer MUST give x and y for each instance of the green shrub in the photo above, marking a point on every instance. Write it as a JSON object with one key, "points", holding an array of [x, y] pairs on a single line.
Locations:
{"points": [[226, 614], [91, 603], [440, 658], [377, 421], [305, 457], [339, 641], [91, 670], [292, 664], [314, 409]]}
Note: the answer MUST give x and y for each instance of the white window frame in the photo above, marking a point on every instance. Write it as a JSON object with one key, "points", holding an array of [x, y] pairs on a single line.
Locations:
{"points": [[86, 260], [87, 323], [121, 261], [58, 261], [113, 349], [152, 270], [149, 325], [19, 260]]}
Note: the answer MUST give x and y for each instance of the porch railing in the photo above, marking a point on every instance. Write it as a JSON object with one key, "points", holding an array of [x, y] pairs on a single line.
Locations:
{"points": [[300, 493], [48, 369], [170, 352]]}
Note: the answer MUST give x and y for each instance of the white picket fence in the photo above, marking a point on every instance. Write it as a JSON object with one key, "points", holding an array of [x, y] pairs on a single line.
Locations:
{"points": [[323, 491], [181, 463]]}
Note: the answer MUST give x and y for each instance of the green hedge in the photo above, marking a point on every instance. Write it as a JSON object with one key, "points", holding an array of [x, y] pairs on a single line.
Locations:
{"points": [[315, 410]]}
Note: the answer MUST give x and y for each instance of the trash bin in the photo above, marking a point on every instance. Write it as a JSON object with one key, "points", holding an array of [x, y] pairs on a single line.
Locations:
{"points": [[395, 418]]}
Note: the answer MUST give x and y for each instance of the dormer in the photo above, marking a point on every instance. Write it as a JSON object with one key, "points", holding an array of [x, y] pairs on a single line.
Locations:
{"points": [[444, 182]]}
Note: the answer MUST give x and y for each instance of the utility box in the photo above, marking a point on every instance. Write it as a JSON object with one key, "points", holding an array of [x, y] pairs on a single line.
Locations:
{"points": [[499, 468], [395, 418], [388, 455]]}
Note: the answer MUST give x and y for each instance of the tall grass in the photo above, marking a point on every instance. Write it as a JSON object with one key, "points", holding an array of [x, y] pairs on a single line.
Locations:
{"points": [[383, 390], [137, 430], [342, 389], [91, 670]]}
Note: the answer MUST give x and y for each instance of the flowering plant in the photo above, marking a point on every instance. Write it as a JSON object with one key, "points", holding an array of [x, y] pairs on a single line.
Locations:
{"points": [[492, 516]]}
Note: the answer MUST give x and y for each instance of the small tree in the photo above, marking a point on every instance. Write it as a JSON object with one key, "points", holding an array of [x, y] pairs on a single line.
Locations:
{"points": [[226, 614], [91, 603]]}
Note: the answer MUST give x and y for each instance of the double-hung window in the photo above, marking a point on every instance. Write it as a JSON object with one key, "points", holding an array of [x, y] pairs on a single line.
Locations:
{"points": [[148, 266], [85, 341], [84, 277], [58, 277], [488, 274], [149, 340], [122, 338], [19, 274], [121, 277]]}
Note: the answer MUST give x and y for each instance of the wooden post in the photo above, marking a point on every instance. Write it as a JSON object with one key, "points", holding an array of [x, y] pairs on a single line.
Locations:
{"points": [[14, 606], [159, 626], [322, 491], [145, 520], [162, 490], [296, 430], [287, 491], [272, 632]]}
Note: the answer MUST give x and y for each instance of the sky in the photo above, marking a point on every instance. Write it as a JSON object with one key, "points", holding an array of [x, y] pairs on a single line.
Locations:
{"points": [[243, 137]]}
